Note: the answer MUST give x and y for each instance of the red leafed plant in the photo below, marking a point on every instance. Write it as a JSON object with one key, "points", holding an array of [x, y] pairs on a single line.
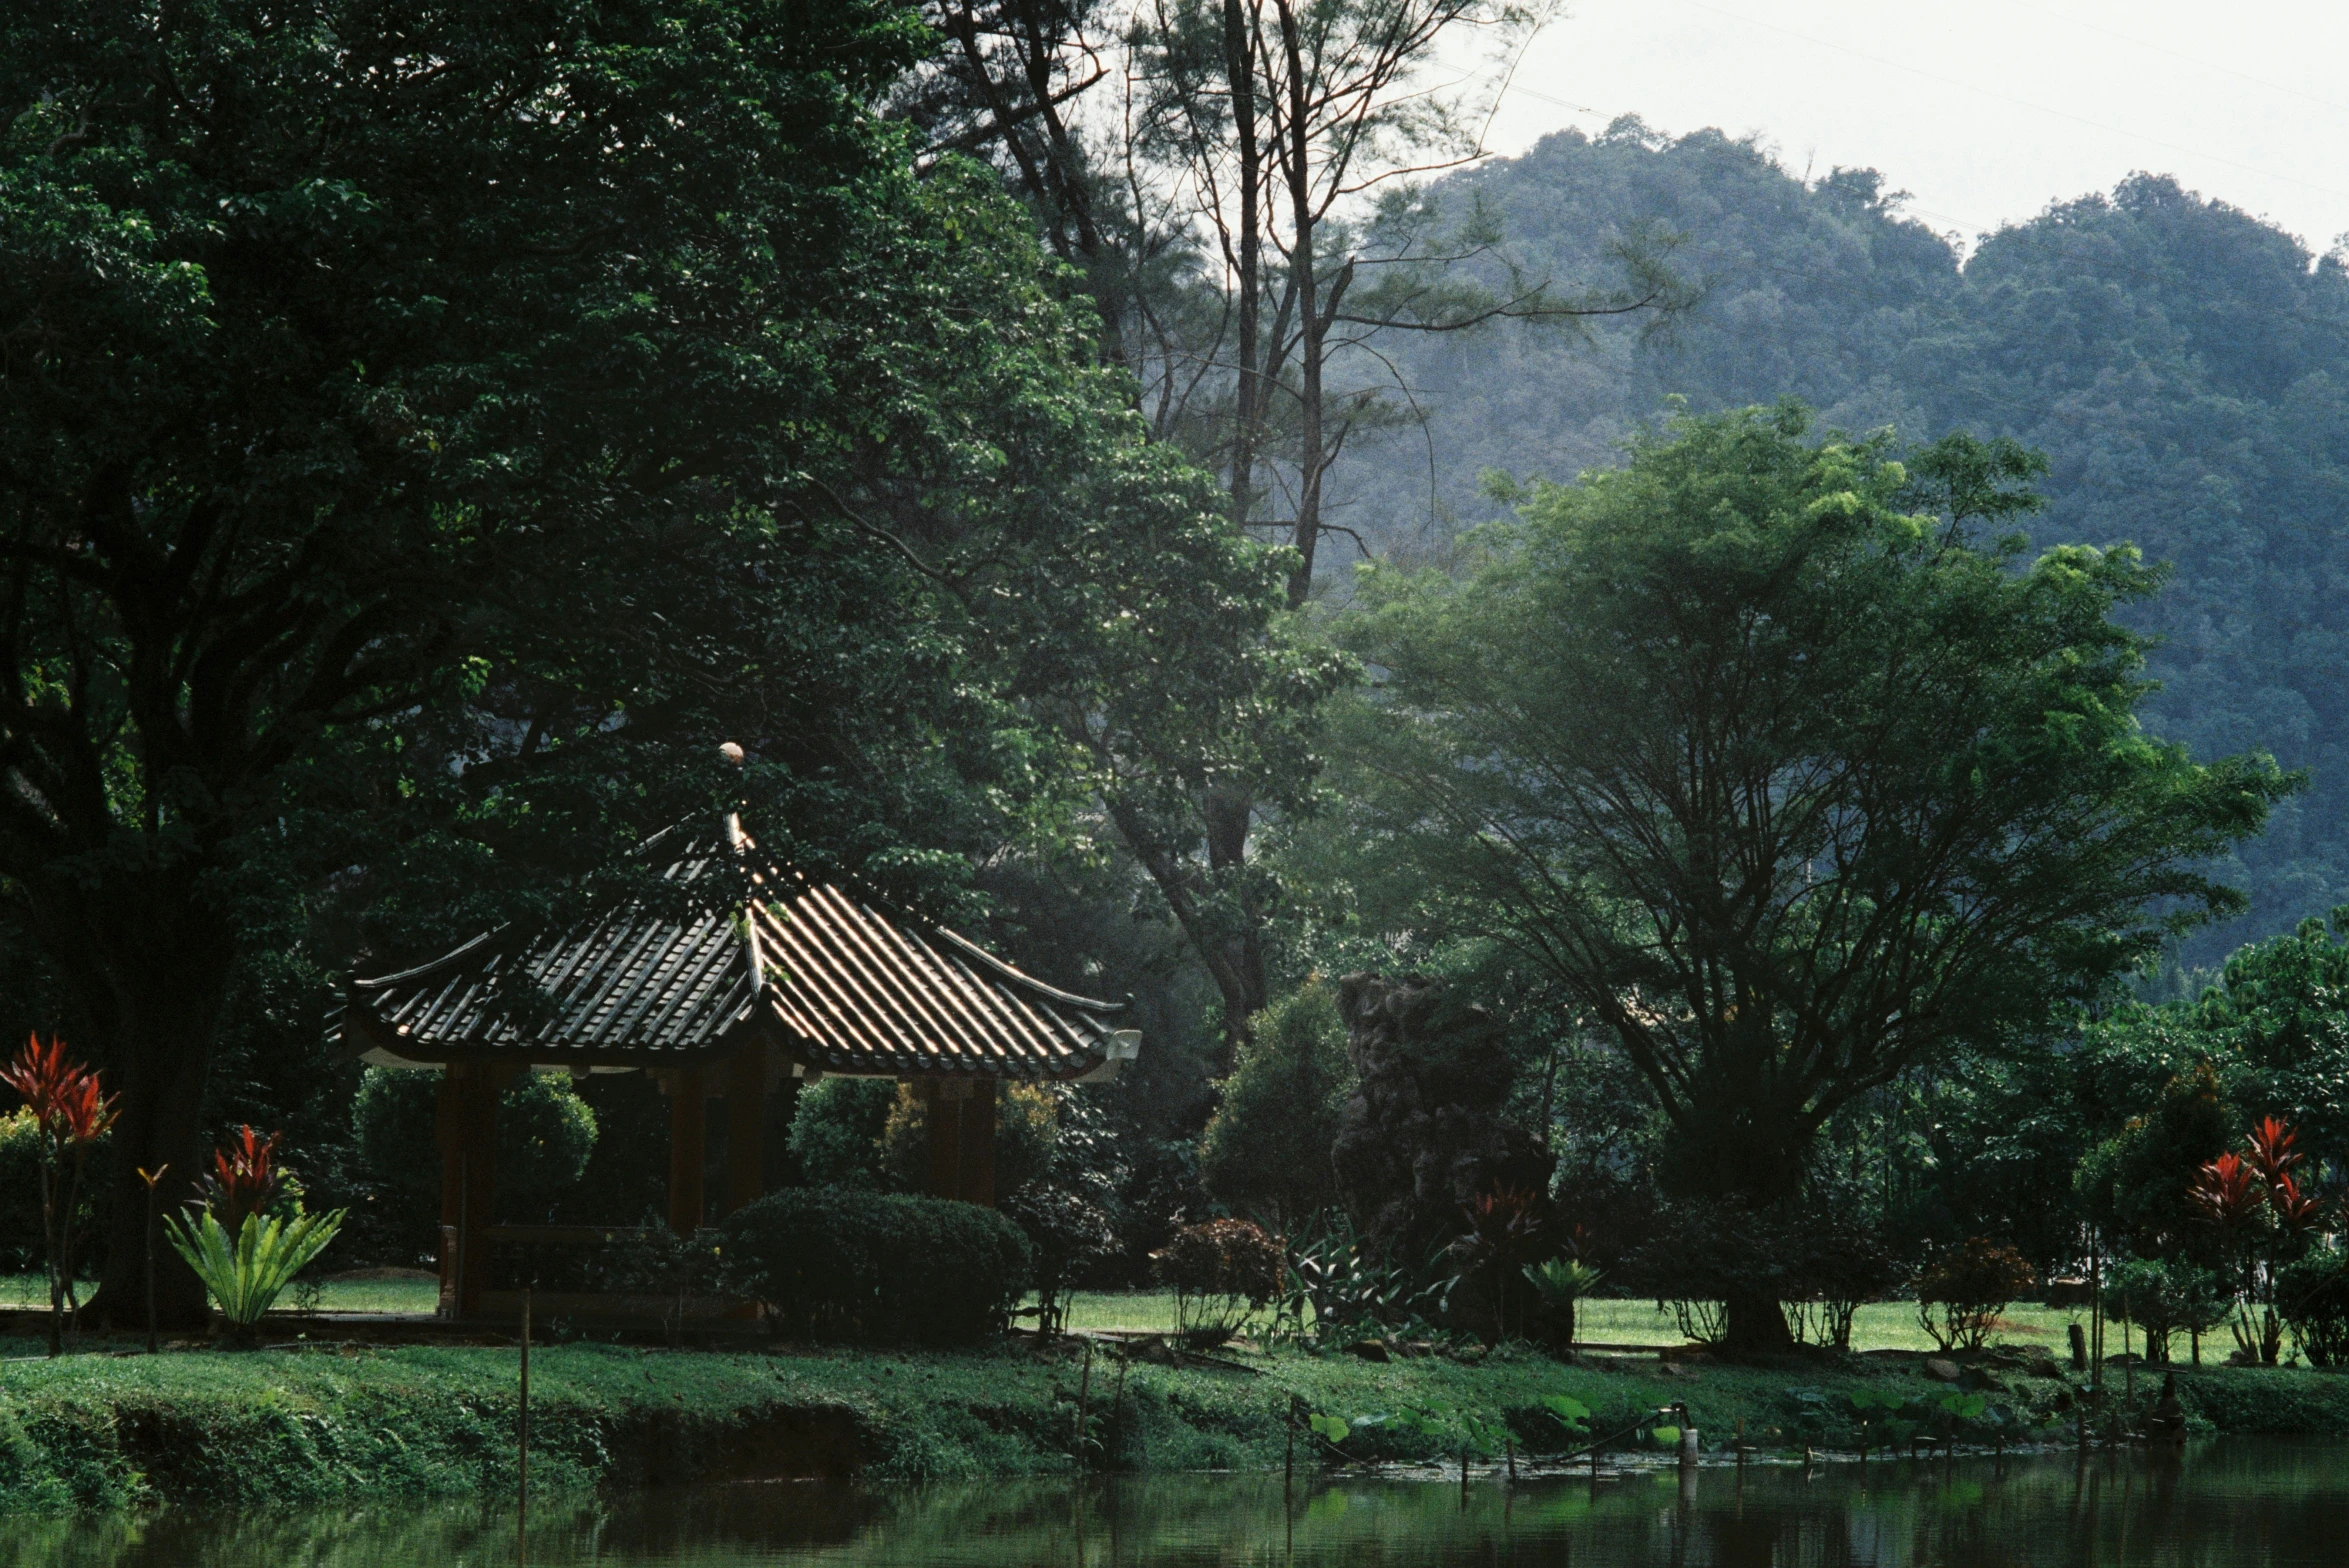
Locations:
{"points": [[244, 1179], [2232, 1190], [2227, 1191], [2273, 1156], [1508, 1231], [73, 1112]]}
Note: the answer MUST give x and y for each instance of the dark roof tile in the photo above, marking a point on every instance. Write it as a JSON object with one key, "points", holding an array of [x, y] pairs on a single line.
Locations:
{"points": [[842, 983]]}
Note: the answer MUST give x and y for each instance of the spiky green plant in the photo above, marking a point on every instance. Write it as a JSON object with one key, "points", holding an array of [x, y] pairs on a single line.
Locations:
{"points": [[246, 1275], [1561, 1281]]}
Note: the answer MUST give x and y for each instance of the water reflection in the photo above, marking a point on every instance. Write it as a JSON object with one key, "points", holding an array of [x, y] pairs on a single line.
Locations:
{"points": [[2237, 1504]]}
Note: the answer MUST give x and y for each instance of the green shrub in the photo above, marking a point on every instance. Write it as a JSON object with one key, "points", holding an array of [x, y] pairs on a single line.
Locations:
{"points": [[886, 1268], [2164, 1297], [246, 1273], [1027, 1120], [1221, 1272], [545, 1132], [1961, 1292], [836, 1132], [20, 1191], [1267, 1149], [2313, 1297]]}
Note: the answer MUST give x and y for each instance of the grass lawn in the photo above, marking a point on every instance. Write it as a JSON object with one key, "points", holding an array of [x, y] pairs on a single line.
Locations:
{"points": [[395, 1295], [1880, 1325]]}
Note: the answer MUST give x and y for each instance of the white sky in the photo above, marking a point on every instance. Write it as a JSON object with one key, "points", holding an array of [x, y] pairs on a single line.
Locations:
{"points": [[1985, 110]]}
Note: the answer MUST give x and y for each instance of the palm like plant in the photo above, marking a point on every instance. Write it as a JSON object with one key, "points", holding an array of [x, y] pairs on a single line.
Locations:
{"points": [[1561, 1282], [247, 1274]]}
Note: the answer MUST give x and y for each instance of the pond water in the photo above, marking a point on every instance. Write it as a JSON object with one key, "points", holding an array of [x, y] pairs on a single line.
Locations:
{"points": [[2221, 1504]]}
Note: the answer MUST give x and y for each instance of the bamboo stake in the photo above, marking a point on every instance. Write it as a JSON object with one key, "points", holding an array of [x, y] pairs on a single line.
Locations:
{"points": [[1084, 1397], [522, 1448], [151, 1180], [2128, 1368]]}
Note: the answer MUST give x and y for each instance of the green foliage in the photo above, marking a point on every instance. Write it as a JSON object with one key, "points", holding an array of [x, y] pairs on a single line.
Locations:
{"points": [[873, 1133], [2135, 1182], [1814, 1260], [246, 1274], [388, 352], [2165, 1297], [1567, 1408], [1789, 667], [410, 1422], [1562, 1281], [884, 1268], [22, 1149], [2277, 1025], [546, 1133], [1027, 1120], [1892, 1416], [1963, 1289], [2184, 364], [1221, 1271], [2312, 1297], [836, 1131], [1067, 1231], [1352, 1292], [528, 455], [1267, 1148]]}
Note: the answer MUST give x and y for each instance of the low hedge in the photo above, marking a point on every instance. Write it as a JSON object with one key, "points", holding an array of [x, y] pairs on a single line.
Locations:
{"points": [[879, 1268], [2312, 1296]]}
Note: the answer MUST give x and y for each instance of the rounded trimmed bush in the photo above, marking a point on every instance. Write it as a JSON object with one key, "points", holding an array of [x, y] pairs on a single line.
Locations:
{"points": [[884, 1268]]}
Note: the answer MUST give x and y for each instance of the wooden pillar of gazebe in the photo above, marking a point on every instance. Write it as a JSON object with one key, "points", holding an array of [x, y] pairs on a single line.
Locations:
{"points": [[689, 1110], [449, 1142], [466, 1128], [961, 1117], [746, 1126]]}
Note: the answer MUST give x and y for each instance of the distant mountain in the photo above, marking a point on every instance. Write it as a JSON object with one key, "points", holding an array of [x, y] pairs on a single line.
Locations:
{"points": [[2185, 366]]}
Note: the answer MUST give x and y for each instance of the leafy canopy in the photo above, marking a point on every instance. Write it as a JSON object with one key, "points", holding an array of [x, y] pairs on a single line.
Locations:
{"points": [[1790, 777]]}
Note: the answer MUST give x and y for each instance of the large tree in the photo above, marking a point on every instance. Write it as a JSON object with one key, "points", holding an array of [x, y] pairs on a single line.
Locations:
{"points": [[334, 330], [1245, 218], [425, 435], [1792, 777]]}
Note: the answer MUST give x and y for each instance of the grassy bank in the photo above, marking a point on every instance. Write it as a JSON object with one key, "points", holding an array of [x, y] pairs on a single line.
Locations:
{"points": [[1880, 1325], [204, 1427]]}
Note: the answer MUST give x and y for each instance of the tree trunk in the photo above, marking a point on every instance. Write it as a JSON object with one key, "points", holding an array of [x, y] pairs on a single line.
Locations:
{"points": [[1177, 875], [152, 965], [1239, 48], [1311, 457], [1229, 815], [1757, 1325]]}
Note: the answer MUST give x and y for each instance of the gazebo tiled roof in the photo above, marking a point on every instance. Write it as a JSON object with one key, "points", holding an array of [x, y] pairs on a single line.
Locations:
{"points": [[838, 982]]}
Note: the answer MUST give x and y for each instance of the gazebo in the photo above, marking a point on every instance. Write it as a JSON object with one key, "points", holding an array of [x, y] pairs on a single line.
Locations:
{"points": [[752, 980]]}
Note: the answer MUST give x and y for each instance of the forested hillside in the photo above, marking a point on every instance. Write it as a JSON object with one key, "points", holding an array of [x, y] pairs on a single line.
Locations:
{"points": [[2184, 366]]}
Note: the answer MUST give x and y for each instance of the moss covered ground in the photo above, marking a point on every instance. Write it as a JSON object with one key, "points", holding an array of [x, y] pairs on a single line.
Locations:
{"points": [[289, 1425]]}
